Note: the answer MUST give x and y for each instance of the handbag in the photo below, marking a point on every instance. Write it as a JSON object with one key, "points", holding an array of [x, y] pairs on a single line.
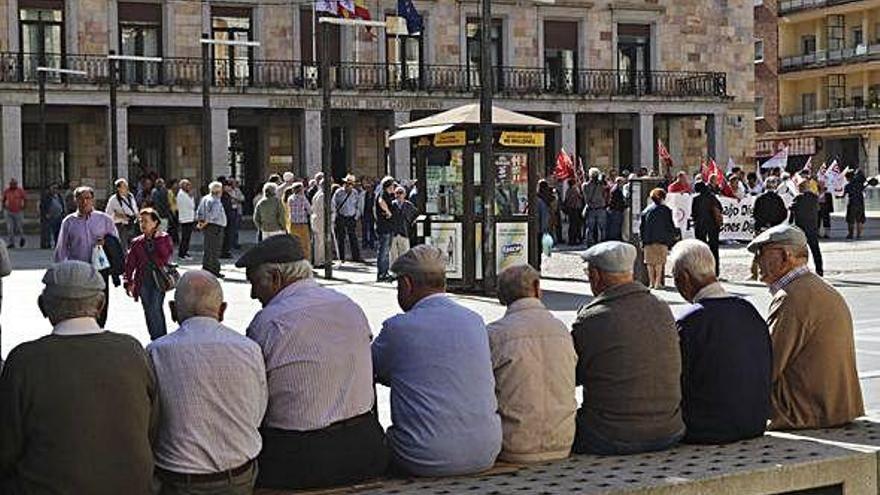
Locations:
{"points": [[166, 277]]}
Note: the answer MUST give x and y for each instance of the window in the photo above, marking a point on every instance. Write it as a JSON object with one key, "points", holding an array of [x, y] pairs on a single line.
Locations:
{"points": [[759, 107], [857, 37], [41, 38], [403, 53], [56, 155], [232, 64], [835, 88], [835, 26], [759, 51], [808, 103], [808, 44], [140, 34], [634, 57], [496, 49], [560, 55]]}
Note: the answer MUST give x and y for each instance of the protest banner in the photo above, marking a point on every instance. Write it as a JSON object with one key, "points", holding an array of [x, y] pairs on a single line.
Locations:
{"points": [[738, 223]]}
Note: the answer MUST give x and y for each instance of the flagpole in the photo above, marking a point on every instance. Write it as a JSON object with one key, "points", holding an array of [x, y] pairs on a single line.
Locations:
{"points": [[314, 32]]}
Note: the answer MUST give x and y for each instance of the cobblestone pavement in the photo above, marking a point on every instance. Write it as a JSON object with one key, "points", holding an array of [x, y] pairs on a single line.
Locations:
{"points": [[851, 266]]}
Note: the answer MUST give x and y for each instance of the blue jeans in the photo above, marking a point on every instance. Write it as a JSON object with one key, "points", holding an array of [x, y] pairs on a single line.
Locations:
{"points": [[594, 225], [382, 259], [152, 299], [614, 228]]}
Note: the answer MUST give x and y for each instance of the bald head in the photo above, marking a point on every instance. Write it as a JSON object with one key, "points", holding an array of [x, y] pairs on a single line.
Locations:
{"points": [[198, 293]]}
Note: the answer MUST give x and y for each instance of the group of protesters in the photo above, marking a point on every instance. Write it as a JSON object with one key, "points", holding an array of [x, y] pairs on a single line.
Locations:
{"points": [[292, 405]]}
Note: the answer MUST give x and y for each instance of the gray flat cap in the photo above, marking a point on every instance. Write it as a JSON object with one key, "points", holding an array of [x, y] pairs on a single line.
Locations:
{"points": [[611, 256], [72, 280], [783, 234], [420, 259]]}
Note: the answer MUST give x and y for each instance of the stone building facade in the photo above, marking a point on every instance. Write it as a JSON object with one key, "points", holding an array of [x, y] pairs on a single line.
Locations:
{"points": [[617, 75]]}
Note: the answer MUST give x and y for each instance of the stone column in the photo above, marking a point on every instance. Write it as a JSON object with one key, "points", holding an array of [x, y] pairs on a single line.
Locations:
{"points": [[676, 144], [10, 125], [716, 141], [122, 142], [567, 136], [645, 138], [310, 130], [400, 149], [219, 142]]}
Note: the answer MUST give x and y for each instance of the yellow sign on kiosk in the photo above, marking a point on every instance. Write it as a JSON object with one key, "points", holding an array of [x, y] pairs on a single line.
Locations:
{"points": [[517, 139], [454, 138]]}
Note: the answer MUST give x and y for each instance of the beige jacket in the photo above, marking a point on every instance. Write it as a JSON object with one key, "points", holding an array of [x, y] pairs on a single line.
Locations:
{"points": [[815, 380], [534, 361]]}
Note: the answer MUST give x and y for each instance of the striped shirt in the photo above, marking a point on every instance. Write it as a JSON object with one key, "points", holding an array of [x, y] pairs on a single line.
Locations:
{"points": [[300, 210], [788, 278], [316, 343], [212, 391]]}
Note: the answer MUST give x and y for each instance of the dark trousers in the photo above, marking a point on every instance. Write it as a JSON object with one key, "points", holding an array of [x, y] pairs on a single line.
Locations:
{"points": [[152, 299], [174, 228], [45, 242], [813, 243], [228, 240], [243, 484], [102, 318], [369, 233], [710, 237], [614, 226], [341, 454], [186, 230], [575, 228], [589, 441], [213, 245], [346, 227]]}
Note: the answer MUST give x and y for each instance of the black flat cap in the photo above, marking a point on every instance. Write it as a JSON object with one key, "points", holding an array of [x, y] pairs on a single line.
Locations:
{"points": [[276, 249]]}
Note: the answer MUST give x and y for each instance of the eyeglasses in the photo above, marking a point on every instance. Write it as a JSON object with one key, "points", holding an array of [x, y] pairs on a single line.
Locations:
{"points": [[766, 249]]}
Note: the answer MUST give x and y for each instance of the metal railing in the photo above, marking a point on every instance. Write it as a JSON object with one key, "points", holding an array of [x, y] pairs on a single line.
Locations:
{"points": [[827, 58], [831, 117], [791, 6], [392, 77]]}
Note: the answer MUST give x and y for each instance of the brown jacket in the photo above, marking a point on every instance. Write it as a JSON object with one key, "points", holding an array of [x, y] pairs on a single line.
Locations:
{"points": [[534, 360], [629, 363], [815, 381]]}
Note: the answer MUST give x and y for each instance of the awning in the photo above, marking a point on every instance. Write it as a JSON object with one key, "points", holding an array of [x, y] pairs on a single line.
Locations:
{"points": [[419, 131], [470, 115]]}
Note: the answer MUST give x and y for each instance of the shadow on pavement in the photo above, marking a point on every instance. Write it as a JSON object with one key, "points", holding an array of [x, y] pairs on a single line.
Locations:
{"points": [[564, 301]]}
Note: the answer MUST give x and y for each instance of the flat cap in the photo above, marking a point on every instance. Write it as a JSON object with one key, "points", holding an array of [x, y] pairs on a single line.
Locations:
{"points": [[611, 256], [276, 249], [73, 280], [420, 259], [784, 234]]}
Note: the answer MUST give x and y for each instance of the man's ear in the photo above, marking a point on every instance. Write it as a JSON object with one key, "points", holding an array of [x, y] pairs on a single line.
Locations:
{"points": [[222, 311], [173, 311], [40, 304]]}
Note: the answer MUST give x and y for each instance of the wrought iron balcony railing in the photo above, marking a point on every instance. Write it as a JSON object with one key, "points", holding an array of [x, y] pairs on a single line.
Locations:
{"points": [[831, 117], [827, 58], [402, 77], [792, 6]]}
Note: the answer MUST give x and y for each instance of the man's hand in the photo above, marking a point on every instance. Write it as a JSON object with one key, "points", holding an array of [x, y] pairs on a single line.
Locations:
{"points": [[201, 224]]}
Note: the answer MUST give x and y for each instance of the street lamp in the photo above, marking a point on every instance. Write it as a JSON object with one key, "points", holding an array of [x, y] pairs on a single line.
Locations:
{"points": [[207, 151], [114, 59], [487, 164], [41, 79], [326, 152]]}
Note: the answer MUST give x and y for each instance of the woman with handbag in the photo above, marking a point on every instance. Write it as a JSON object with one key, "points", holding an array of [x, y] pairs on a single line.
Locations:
{"points": [[147, 272]]}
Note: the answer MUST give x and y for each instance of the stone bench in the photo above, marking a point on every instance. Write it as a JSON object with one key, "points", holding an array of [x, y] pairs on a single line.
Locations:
{"points": [[812, 462]]}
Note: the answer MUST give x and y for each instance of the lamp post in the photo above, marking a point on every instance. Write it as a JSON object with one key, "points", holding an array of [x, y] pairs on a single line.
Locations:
{"points": [[207, 136], [41, 81], [487, 169], [114, 59], [326, 152]]}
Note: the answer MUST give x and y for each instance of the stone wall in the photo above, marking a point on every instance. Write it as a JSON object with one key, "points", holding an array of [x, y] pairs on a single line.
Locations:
{"points": [[186, 27], [368, 141], [283, 147], [184, 151], [92, 25], [88, 153], [276, 32]]}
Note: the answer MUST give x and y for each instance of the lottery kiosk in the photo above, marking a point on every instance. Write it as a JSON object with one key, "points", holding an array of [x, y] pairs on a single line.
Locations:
{"points": [[448, 168]]}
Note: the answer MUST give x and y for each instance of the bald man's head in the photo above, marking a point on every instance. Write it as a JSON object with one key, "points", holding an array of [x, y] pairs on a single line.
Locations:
{"points": [[198, 293]]}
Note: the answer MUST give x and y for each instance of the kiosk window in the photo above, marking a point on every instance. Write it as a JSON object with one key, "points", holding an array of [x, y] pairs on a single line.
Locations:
{"points": [[511, 183], [444, 182]]}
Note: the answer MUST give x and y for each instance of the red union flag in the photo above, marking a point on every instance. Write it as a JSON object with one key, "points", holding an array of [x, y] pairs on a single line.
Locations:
{"points": [[564, 169], [663, 153]]}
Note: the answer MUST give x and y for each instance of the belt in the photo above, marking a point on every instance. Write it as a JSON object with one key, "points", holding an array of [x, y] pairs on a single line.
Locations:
{"points": [[203, 478]]}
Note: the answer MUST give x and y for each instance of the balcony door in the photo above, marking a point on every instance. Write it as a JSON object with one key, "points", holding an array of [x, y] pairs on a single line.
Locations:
{"points": [[140, 34], [496, 50], [403, 53], [232, 64], [41, 39], [634, 58], [560, 55]]}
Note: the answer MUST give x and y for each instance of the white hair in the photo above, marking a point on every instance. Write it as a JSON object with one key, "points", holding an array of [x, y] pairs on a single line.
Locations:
{"points": [[693, 257], [270, 189], [215, 186], [290, 272], [198, 293], [594, 172]]}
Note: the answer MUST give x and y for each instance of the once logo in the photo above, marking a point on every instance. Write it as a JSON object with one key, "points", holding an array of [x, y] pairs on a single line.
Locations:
{"points": [[509, 249]]}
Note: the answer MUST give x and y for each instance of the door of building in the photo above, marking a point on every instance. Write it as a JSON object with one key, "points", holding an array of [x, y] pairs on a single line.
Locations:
{"points": [[244, 163], [624, 149]]}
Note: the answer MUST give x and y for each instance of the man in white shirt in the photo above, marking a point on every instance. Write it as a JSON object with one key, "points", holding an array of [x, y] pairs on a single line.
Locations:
{"points": [[123, 208], [186, 213], [212, 392]]}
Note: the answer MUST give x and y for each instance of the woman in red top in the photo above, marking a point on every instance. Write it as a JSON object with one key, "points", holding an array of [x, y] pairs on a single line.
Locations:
{"points": [[148, 253]]}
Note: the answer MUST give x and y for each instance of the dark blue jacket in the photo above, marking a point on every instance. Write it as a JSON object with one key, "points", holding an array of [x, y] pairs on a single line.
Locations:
{"points": [[726, 370], [657, 226]]}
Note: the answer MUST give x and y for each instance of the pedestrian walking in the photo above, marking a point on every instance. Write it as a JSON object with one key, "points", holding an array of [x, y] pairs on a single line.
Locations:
{"points": [[594, 208], [346, 210], [122, 207], [228, 234], [270, 216], [144, 264], [186, 216], [805, 214], [52, 212], [708, 218], [14, 199], [573, 206], [403, 217], [211, 220], [384, 227], [855, 203]]}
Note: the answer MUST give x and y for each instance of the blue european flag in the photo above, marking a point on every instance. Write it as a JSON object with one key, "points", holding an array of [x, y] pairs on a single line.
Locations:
{"points": [[407, 10]]}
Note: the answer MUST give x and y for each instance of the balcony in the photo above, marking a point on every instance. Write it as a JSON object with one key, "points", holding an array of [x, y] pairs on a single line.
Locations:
{"points": [[831, 118], [247, 75], [792, 6], [830, 58]]}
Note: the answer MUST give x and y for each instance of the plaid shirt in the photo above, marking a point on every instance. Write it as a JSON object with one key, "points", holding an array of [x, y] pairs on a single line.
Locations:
{"points": [[787, 279], [300, 210]]}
